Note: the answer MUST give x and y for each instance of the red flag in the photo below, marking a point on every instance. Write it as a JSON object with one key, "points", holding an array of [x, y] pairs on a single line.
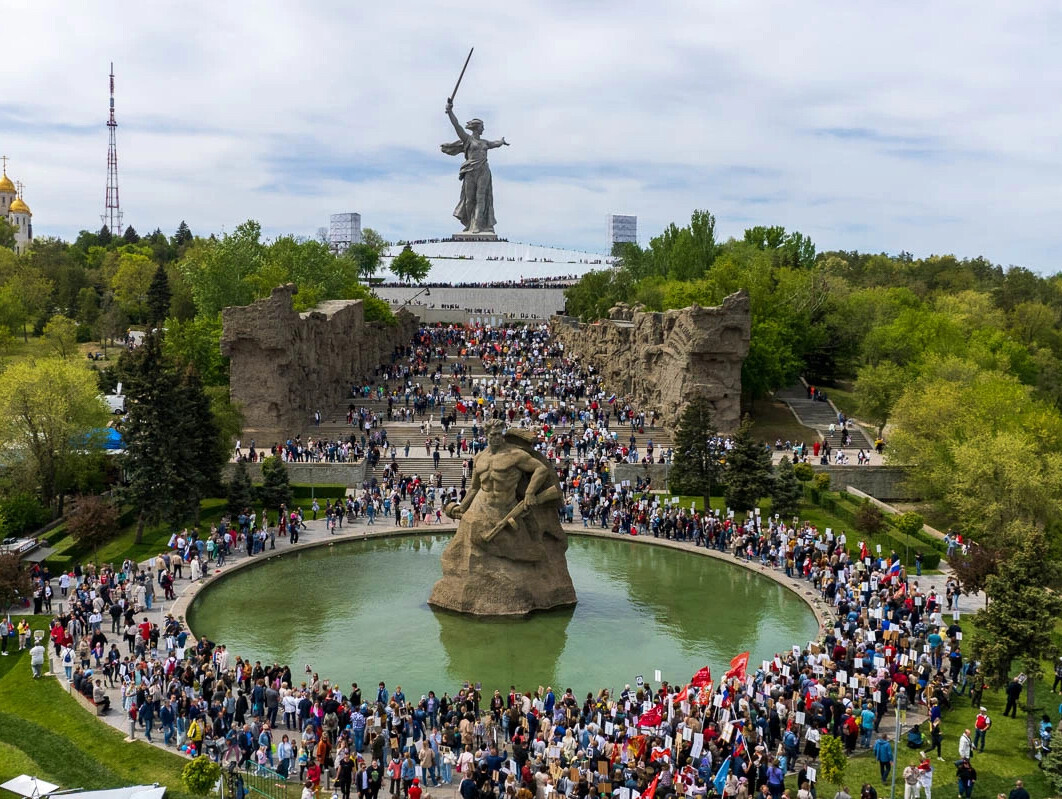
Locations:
{"points": [[683, 695], [738, 665], [650, 792], [652, 718], [660, 754], [702, 677]]}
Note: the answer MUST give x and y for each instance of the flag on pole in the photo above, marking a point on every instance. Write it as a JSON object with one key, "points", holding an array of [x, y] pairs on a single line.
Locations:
{"points": [[650, 792], [652, 718], [720, 777], [683, 695], [738, 666], [702, 677]]}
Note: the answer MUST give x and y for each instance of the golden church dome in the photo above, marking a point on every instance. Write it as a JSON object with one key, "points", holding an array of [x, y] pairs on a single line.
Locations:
{"points": [[6, 186], [19, 207]]}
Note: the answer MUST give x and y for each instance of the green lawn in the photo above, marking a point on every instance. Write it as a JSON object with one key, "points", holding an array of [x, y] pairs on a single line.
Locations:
{"points": [[772, 419], [157, 537], [1003, 761], [46, 733]]}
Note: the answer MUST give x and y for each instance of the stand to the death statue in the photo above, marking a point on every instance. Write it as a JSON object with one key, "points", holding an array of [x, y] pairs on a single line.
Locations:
{"points": [[508, 556]]}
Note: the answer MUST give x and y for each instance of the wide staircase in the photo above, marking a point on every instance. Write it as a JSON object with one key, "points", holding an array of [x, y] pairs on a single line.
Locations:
{"points": [[419, 461], [820, 415]]}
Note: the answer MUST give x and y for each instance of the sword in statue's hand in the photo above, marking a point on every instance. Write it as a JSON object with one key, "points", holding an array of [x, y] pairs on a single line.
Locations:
{"points": [[453, 94]]}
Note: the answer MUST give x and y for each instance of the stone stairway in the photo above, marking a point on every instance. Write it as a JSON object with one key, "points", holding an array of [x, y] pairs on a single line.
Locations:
{"points": [[820, 415]]}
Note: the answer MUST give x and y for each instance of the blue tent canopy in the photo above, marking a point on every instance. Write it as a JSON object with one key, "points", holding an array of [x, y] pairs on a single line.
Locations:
{"points": [[110, 438]]}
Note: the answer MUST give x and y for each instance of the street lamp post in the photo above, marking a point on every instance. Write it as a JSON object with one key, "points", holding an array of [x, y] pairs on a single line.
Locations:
{"points": [[895, 753]]}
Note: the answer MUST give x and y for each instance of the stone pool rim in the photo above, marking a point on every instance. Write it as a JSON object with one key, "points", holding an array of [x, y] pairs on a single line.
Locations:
{"points": [[797, 587]]}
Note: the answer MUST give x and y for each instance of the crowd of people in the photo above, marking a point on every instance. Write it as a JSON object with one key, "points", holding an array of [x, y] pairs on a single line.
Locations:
{"points": [[885, 649]]}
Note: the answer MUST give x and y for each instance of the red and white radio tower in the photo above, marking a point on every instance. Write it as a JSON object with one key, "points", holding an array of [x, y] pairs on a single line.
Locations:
{"points": [[112, 211]]}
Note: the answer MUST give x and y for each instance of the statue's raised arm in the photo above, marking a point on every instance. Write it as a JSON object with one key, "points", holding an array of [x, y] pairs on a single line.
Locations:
{"points": [[453, 121]]}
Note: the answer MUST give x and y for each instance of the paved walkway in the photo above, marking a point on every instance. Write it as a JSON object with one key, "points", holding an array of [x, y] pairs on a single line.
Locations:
{"points": [[820, 415]]}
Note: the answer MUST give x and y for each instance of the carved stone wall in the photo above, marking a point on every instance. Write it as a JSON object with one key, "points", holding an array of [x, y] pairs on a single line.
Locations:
{"points": [[662, 360], [285, 365]]}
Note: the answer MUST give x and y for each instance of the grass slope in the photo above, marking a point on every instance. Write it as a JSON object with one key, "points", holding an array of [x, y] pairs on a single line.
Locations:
{"points": [[56, 739]]}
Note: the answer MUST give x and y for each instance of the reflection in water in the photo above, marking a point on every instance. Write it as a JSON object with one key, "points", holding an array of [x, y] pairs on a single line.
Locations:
{"points": [[497, 652], [358, 611]]}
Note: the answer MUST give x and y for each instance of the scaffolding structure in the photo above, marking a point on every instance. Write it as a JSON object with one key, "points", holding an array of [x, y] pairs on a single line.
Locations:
{"points": [[344, 230], [112, 209], [622, 229]]}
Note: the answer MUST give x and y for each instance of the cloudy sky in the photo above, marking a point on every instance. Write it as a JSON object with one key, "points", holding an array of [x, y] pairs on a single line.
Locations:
{"points": [[927, 127]]}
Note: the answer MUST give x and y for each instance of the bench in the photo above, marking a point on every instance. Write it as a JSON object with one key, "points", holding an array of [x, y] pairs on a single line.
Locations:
{"points": [[85, 702]]}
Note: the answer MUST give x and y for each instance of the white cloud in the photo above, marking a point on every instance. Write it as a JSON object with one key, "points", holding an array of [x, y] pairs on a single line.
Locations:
{"points": [[930, 128]]}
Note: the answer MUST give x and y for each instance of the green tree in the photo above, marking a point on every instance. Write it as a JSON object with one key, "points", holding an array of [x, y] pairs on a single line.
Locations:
{"points": [[197, 342], [15, 580], [7, 234], [366, 260], [158, 298], [868, 518], [697, 452], [239, 493], [93, 521], [61, 335], [275, 489], [370, 238], [748, 470], [201, 774], [153, 437], [24, 292], [183, 236], [131, 283], [200, 456], [877, 388], [1013, 627], [88, 307], [832, 760], [409, 266], [219, 272], [786, 491], [48, 411], [130, 236]]}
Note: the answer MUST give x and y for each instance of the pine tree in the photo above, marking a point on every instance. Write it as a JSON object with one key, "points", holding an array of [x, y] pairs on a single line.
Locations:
{"points": [[158, 298], [201, 457], [697, 453], [240, 493], [153, 437], [131, 236], [748, 470], [105, 236], [785, 489], [183, 235], [275, 489], [1015, 624]]}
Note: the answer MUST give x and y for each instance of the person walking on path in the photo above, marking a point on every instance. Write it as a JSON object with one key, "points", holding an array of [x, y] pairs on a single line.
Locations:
{"points": [[884, 755]]}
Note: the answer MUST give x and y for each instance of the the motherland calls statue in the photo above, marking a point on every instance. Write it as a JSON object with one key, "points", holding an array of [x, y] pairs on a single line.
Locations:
{"points": [[507, 558], [476, 206]]}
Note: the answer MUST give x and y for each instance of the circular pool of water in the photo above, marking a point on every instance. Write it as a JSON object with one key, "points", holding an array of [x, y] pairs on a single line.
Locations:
{"points": [[358, 612]]}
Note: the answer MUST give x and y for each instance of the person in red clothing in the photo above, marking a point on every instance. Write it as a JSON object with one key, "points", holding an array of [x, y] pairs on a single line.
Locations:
{"points": [[414, 789], [145, 629]]}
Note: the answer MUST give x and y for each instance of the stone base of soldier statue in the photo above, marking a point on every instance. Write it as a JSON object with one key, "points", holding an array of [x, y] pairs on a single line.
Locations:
{"points": [[508, 555], [475, 237]]}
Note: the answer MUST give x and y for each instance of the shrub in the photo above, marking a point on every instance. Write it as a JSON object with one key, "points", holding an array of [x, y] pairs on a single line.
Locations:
{"points": [[832, 761], [21, 513], [822, 481], [804, 473], [869, 518], [200, 775]]}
